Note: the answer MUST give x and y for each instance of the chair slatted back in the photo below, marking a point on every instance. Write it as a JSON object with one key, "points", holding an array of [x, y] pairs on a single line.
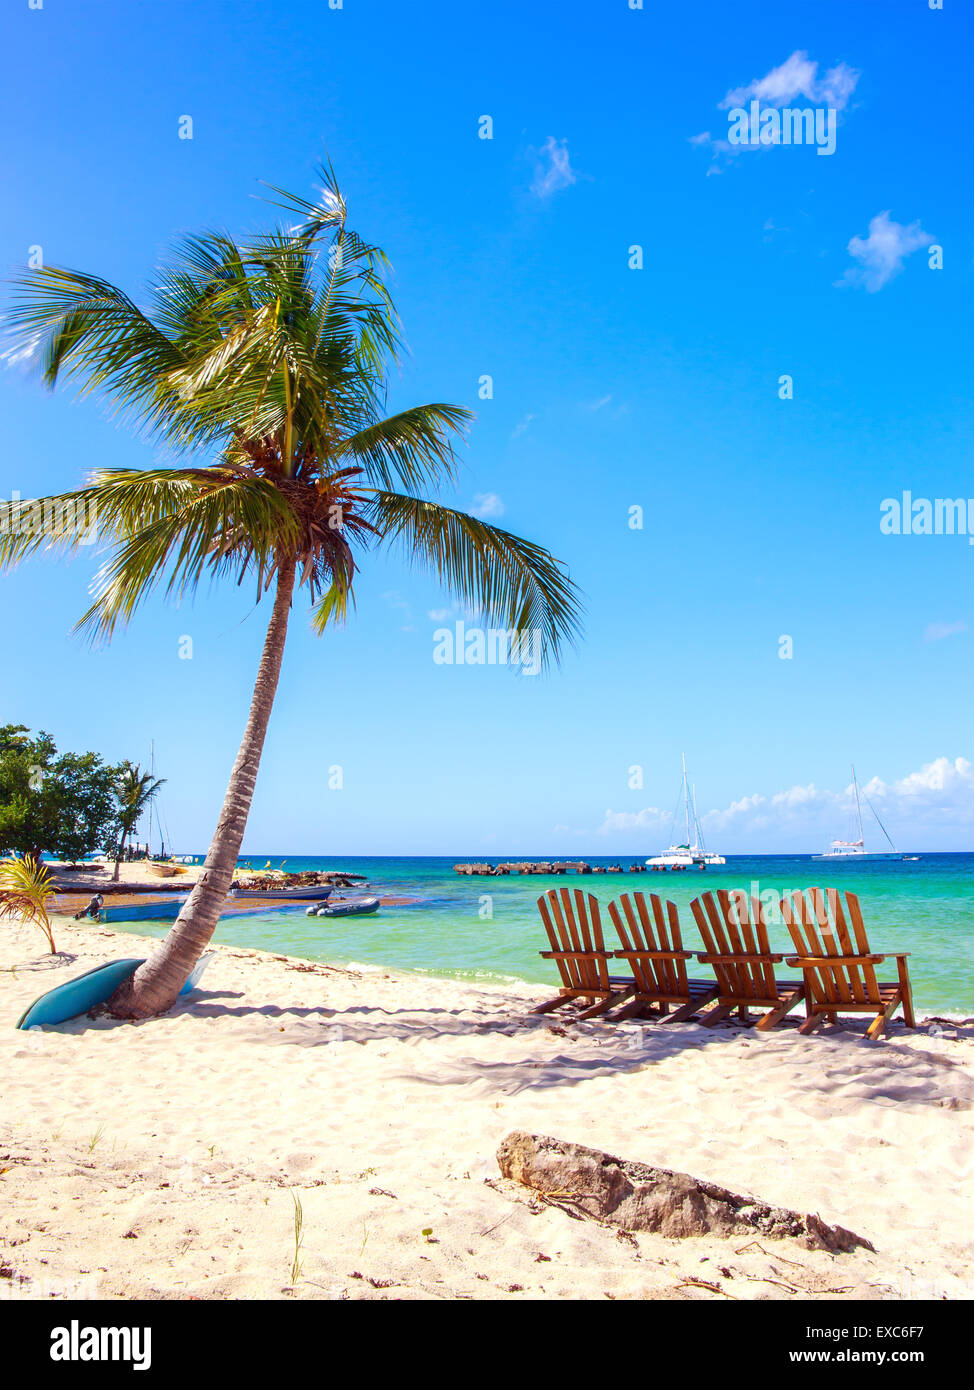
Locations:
{"points": [[646, 927], [571, 919], [819, 927], [732, 924]]}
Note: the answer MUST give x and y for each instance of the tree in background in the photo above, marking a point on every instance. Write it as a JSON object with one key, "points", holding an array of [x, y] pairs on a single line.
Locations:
{"points": [[136, 790], [65, 805]]}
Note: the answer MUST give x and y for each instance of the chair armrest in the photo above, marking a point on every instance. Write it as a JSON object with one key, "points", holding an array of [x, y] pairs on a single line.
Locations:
{"points": [[744, 958], [807, 962], [575, 955], [653, 955]]}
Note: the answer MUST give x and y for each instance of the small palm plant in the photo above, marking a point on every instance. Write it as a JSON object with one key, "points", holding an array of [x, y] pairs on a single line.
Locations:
{"points": [[136, 791], [26, 890], [269, 357]]}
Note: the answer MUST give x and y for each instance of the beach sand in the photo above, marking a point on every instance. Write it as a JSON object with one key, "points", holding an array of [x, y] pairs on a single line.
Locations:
{"points": [[164, 1159], [140, 873]]}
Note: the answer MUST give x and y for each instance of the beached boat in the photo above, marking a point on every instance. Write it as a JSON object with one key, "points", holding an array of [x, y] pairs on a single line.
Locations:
{"points": [[72, 998], [692, 852], [350, 907], [287, 894], [855, 851]]}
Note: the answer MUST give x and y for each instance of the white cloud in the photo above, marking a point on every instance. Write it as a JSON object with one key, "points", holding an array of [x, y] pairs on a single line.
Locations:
{"points": [[797, 76], [396, 602], [936, 632], [721, 150], [935, 781], [487, 505], [597, 405], [881, 254], [650, 818], [455, 610], [553, 169], [521, 426], [24, 354], [938, 798]]}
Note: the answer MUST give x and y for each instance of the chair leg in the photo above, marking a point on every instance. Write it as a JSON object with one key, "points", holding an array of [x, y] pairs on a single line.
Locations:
{"points": [[878, 1025], [633, 1010], [551, 1004], [715, 1015], [786, 1006], [686, 1011], [605, 1004], [907, 994], [811, 1023]]}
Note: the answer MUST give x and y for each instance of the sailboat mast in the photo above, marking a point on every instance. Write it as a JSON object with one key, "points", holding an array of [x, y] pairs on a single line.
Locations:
{"points": [[686, 798], [855, 786], [152, 773], [880, 823]]}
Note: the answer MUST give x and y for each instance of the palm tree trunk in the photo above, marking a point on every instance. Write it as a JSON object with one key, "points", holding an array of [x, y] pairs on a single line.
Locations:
{"points": [[118, 855], [154, 986]]}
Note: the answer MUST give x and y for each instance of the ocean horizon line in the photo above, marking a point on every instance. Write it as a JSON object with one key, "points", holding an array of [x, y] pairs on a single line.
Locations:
{"points": [[616, 856]]}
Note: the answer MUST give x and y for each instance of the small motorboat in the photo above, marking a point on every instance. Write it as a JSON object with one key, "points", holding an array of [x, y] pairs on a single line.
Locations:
{"points": [[344, 907]]}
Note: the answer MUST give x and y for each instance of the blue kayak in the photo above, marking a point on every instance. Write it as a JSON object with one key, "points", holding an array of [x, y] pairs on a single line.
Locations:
{"points": [[84, 992], [193, 978]]}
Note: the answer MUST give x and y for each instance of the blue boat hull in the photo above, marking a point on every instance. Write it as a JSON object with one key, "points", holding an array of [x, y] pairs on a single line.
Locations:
{"points": [[79, 995], [84, 992]]}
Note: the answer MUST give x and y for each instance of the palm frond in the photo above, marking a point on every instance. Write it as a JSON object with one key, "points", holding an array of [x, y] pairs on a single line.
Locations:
{"points": [[186, 524], [90, 330], [513, 581], [27, 889], [332, 607], [272, 354], [136, 789], [411, 449]]}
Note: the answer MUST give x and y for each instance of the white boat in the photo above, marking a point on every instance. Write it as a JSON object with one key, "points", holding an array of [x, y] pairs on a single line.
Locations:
{"points": [[854, 851], [692, 853], [344, 907]]}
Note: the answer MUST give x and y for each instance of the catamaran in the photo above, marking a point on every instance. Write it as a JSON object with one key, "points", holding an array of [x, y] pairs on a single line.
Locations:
{"points": [[692, 853], [856, 849]]}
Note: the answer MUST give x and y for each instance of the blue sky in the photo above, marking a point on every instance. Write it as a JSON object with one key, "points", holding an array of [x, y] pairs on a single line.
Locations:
{"points": [[612, 388]]}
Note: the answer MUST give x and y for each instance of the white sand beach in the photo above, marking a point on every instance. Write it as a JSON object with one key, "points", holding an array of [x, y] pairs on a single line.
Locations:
{"points": [[163, 1159]]}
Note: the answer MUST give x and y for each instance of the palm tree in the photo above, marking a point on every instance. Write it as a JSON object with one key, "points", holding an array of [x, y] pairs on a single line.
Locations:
{"points": [[136, 790], [269, 356], [27, 888]]}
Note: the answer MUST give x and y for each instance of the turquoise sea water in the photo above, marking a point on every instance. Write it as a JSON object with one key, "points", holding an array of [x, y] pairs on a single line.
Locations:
{"points": [[926, 908]]}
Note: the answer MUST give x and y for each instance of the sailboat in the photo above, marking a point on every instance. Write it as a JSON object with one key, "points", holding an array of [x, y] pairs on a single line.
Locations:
{"points": [[692, 853], [855, 850]]}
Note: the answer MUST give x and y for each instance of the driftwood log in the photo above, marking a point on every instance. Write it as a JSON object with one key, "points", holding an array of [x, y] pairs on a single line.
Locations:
{"points": [[638, 1197]]}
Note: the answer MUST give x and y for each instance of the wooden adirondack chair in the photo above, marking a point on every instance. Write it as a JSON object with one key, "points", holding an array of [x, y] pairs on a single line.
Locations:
{"points": [[653, 946], [735, 934], [571, 919], [841, 977]]}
